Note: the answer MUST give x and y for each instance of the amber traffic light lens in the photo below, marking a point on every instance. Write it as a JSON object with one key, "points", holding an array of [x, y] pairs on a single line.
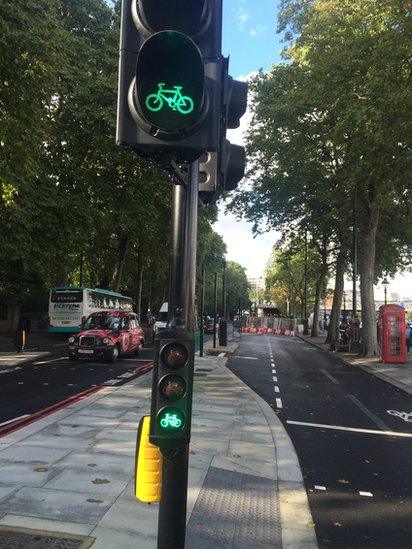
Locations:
{"points": [[172, 388]]}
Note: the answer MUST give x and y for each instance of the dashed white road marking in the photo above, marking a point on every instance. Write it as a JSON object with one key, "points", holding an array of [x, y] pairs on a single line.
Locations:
{"points": [[277, 390], [378, 422], [20, 383], [279, 403], [317, 487], [330, 377], [110, 382], [350, 429], [52, 360], [366, 494], [247, 357], [275, 379], [14, 419], [221, 355]]}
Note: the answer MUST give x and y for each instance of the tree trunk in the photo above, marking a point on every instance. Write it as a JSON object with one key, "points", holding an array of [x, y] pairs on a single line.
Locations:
{"points": [[62, 275], [139, 285], [369, 344], [320, 283], [120, 262], [333, 331]]}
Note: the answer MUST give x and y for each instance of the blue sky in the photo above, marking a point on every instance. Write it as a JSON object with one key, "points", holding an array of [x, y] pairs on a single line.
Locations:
{"points": [[249, 35]]}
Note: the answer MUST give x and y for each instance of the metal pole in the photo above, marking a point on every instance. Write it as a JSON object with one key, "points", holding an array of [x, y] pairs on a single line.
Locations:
{"points": [[81, 269], [224, 305], [175, 306], [202, 310], [215, 314], [189, 283], [355, 257], [173, 503], [223, 320], [305, 287]]}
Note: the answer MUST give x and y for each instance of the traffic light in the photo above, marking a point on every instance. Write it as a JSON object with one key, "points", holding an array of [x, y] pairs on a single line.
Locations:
{"points": [[224, 170], [171, 407], [170, 77]]}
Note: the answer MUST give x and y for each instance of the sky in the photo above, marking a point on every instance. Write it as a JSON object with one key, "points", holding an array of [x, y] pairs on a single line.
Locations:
{"points": [[251, 41]]}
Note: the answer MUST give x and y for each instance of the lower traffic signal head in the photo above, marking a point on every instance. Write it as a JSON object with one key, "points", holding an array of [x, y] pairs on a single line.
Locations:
{"points": [[172, 388]]}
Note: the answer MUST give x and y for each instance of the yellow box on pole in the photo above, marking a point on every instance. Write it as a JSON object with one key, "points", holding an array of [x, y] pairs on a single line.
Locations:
{"points": [[149, 463]]}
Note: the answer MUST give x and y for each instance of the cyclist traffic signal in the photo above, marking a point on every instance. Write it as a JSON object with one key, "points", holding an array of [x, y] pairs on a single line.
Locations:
{"points": [[171, 407], [170, 77], [224, 170]]}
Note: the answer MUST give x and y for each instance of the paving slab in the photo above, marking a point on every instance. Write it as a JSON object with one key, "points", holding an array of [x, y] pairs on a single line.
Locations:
{"points": [[55, 504]]}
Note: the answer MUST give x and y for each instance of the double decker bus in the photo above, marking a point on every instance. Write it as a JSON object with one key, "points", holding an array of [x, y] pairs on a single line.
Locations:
{"points": [[69, 306]]}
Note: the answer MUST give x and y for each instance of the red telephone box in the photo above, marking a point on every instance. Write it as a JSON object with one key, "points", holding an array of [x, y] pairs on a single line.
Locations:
{"points": [[392, 334]]}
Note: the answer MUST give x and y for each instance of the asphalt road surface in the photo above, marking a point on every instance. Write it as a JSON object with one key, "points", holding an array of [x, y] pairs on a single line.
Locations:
{"points": [[31, 388], [354, 446]]}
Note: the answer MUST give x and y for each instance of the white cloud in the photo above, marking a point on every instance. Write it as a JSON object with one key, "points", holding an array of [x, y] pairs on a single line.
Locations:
{"points": [[242, 17], [258, 30], [251, 253]]}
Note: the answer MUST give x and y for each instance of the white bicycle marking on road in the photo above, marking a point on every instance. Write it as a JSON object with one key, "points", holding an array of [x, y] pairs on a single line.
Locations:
{"points": [[406, 416]]}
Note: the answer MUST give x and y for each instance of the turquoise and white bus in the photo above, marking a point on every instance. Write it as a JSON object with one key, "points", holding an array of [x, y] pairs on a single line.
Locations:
{"points": [[69, 306]]}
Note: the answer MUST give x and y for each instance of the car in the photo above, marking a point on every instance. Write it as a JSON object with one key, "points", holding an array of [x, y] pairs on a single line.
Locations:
{"points": [[107, 334], [208, 325]]}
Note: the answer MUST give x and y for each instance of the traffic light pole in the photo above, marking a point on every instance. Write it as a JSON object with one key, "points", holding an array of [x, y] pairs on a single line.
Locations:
{"points": [[202, 310], [172, 508]]}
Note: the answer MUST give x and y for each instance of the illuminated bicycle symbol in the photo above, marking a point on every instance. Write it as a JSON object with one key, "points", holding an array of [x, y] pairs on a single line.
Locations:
{"points": [[406, 416], [173, 98], [171, 420]]}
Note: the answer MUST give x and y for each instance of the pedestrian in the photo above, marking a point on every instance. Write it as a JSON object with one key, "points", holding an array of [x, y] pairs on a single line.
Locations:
{"points": [[408, 337]]}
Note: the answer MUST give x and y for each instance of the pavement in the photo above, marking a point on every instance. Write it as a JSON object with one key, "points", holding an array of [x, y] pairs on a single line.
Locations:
{"points": [[12, 358], [399, 375], [71, 473]]}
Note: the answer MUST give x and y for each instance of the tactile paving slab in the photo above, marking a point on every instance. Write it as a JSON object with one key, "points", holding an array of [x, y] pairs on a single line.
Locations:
{"points": [[24, 538], [236, 511]]}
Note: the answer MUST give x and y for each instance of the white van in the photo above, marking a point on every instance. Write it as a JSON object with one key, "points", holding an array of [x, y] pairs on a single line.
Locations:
{"points": [[161, 318]]}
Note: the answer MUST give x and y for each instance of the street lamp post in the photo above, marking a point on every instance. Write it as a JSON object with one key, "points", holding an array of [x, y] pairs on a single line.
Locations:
{"points": [[385, 284], [344, 306]]}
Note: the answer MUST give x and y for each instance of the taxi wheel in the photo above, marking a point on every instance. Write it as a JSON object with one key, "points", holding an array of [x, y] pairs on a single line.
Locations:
{"points": [[114, 354]]}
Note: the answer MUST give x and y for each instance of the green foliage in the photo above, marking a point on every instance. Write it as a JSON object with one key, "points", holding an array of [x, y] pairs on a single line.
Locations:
{"points": [[66, 190]]}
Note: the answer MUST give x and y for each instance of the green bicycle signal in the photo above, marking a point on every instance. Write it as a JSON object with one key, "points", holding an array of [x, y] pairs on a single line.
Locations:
{"points": [[173, 98]]}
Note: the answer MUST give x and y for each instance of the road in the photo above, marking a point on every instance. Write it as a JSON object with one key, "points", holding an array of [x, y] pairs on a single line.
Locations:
{"points": [[32, 388], [358, 477]]}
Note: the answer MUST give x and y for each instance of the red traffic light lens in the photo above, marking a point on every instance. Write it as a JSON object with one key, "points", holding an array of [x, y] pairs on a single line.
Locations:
{"points": [[172, 387], [174, 356]]}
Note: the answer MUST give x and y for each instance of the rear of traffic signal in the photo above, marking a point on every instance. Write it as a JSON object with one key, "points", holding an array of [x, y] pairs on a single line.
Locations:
{"points": [[223, 170]]}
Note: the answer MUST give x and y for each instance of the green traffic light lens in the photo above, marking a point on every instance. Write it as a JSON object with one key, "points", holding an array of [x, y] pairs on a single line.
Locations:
{"points": [[170, 82], [172, 387], [171, 419], [174, 356]]}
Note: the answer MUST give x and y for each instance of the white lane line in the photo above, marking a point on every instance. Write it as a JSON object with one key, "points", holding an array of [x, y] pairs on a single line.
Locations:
{"points": [[350, 429], [111, 382], [221, 355], [279, 403], [330, 376], [275, 379], [20, 383], [52, 360], [366, 494], [317, 487], [14, 419], [277, 390], [378, 422], [247, 357], [273, 371]]}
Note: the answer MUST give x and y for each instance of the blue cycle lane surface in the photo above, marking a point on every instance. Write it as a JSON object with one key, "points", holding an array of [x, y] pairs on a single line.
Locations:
{"points": [[358, 477]]}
